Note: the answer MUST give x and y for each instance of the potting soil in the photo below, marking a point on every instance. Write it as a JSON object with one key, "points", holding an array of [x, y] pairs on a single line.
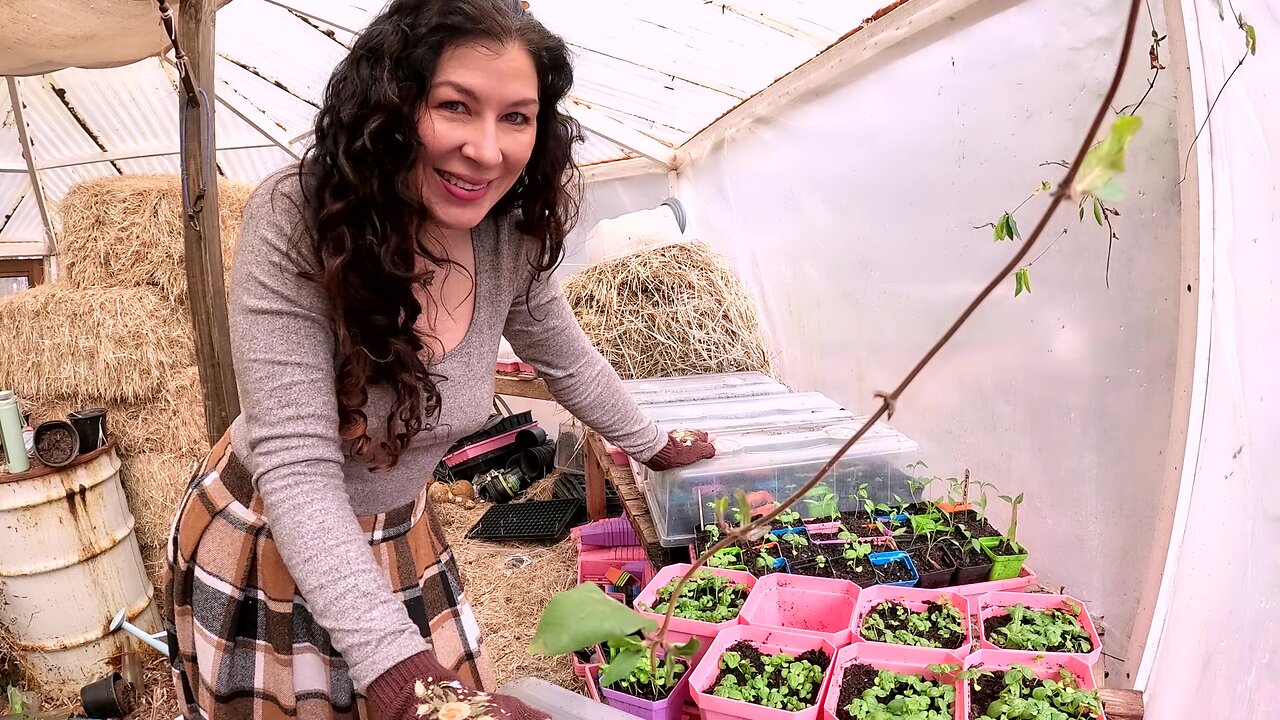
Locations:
{"points": [[976, 527], [857, 680], [56, 444], [896, 618], [984, 691], [992, 624], [891, 572]]}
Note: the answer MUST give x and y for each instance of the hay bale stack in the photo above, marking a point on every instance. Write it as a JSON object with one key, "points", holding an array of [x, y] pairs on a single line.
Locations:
{"points": [[114, 345], [154, 484], [127, 231], [672, 310]]}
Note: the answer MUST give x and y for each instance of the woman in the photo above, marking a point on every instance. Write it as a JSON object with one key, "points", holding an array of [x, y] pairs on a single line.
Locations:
{"points": [[370, 288]]}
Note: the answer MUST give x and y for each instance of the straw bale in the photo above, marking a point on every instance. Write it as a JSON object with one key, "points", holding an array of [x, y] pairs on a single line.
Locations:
{"points": [[116, 345], [509, 585], [672, 310], [171, 423], [154, 484], [127, 231]]}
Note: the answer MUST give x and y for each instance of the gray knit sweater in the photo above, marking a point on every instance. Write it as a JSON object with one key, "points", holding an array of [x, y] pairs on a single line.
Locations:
{"points": [[287, 434]]}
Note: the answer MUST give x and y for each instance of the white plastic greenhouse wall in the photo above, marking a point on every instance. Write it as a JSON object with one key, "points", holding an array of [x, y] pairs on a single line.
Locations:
{"points": [[1129, 397]]}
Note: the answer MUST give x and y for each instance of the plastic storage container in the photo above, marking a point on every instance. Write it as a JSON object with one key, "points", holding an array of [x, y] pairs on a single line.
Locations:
{"points": [[697, 388], [913, 599], [682, 629], [767, 411], [558, 702], [1046, 667], [997, 603], [894, 658], [822, 607], [769, 642], [776, 463]]}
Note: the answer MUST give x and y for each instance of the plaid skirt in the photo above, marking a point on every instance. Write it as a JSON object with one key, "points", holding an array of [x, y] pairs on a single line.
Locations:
{"points": [[242, 642]]}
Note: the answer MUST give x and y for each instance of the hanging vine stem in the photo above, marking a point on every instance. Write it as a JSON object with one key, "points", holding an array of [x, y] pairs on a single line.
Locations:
{"points": [[888, 401]]}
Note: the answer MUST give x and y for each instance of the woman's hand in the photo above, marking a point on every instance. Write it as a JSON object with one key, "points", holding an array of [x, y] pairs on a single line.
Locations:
{"points": [[419, 688], [683, 447]]}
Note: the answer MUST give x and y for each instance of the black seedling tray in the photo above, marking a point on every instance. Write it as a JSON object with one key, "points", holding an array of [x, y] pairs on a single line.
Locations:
{"points": [[572, 485], [533, 520]]}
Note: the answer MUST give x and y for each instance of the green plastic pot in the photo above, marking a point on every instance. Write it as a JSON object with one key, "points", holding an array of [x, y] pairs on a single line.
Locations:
{"points": [[1003, 567], [921, 524]]}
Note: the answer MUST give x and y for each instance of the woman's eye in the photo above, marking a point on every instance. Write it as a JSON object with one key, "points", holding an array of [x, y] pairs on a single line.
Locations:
{"points": [[452, 106], [517, 118]]}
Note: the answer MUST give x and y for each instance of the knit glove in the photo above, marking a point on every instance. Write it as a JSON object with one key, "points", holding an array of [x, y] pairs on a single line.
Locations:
{"points": [[420, 688], [683, 447]]}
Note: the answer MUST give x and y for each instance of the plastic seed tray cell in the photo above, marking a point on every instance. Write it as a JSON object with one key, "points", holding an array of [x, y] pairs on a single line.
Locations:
{"points": [[534, 520]]}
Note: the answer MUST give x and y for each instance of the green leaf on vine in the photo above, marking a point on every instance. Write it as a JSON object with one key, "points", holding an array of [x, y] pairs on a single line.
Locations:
{"points": [[1250, 35], [1044, 187], [1021, 281], [583, 617], [1105, 161], [1013, 227], [1006, 228], [1097, 210], [621, 666], [999, 229]]}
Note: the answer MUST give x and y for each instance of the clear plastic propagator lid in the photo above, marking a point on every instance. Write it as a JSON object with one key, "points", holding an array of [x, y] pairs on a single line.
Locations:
{"points": [[721, 416], [699, 388], [778, 461]]}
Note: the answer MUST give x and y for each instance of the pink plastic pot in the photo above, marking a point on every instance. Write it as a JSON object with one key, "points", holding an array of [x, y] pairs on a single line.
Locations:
{"points": [[815, 606], [995, 604], [1026, 579], [894, 658], [669, 708], [592, 564], [682, 629], [610, 532], [913, 599], [704, 675], [1045, 666]]}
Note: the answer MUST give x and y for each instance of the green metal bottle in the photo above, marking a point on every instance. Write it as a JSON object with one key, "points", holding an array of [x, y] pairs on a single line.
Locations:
{"points": [[11, 425]]}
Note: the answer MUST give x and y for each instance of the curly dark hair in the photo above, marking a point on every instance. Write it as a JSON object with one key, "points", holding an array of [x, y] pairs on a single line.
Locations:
{"points": [[364, 214]]}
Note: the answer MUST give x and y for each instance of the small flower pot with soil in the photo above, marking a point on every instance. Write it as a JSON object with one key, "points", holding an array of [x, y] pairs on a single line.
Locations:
{"points": [[894, 568], [970, 560], [929, 553], [810, 605], [655, 693], [977, 525], [761, 674], [893, 683], [1007, 557], [711, 602], [1003, 684], [851, 559], [1040, 623], [57, 443], [934, 619]]}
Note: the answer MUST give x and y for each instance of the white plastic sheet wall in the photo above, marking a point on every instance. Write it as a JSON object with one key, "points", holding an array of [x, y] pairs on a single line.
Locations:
{"points": [[1218, 623], [850, 217]]}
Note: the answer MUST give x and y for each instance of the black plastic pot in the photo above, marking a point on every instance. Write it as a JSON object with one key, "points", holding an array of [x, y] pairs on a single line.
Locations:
{"points": [[536, 462], [49, 426], [969, 575], [108, 697], [936, 578], [91, 426]]}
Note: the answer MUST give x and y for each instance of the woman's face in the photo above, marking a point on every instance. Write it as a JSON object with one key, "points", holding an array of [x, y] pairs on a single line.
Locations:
{"points": [[477, 127]]}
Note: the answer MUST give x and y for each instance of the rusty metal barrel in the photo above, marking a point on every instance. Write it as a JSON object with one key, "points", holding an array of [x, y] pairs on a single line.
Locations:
{"points": [[69, 561]]}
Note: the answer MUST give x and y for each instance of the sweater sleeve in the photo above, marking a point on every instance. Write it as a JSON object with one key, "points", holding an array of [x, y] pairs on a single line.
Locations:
{"points": [[283, 349], [544, 333]]}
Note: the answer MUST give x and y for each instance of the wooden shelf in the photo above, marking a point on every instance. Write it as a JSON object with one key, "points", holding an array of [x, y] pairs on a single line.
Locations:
{"points": [[601, 468], [521, 386]]}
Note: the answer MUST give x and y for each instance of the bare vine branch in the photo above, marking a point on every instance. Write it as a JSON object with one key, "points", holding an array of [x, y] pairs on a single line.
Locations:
{"points": [[888, 401]]}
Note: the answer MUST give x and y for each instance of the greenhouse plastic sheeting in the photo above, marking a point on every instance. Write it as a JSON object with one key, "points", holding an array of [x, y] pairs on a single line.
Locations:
{"points": [[850, 214], [1216, 649]]}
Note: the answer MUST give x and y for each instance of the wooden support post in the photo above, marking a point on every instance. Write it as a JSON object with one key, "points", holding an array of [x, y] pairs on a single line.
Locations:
{"points": [[597, 508], [208, 298]]}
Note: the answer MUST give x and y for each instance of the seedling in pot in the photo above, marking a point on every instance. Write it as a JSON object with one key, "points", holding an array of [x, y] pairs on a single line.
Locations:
{"points": [[729, 558], [1018, 693], [788, 519], [939, 625], [870, 694], [632, 669], [1048, 630], [1006, 554], [777, 681], [706, 597]]}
